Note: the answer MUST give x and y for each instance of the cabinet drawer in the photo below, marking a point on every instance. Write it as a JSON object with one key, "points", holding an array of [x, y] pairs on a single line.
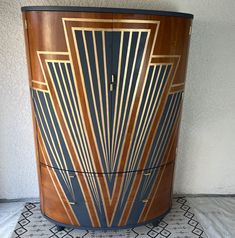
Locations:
{"points": [[107, 196], [127, 186]]}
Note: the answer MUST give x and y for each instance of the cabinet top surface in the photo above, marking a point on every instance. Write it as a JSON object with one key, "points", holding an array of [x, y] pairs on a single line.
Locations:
{"points": [[104, 10]]}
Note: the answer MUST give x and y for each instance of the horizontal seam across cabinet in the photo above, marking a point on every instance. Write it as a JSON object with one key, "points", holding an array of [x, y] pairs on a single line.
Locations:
{"points": [[116, 172], [143, 195]]}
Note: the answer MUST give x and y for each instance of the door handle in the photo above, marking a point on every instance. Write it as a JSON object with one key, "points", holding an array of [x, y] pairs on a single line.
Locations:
{"points": [[112, 84], [147, 174], [111, 87], [113, 78], [145, 200]]}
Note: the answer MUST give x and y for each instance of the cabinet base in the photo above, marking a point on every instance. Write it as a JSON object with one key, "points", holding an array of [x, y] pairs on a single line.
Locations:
{"points": [[62, 226]]}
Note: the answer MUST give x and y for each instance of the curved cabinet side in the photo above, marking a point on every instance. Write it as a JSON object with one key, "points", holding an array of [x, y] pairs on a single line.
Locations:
{"points": [[35, 128]]}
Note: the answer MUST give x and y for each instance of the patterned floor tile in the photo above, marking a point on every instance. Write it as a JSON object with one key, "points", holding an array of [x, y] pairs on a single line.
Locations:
{"points": [[179, 223]]}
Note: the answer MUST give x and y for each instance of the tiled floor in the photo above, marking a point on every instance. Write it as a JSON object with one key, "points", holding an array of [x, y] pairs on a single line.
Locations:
{"points": [[180, 222], [216, 215]]}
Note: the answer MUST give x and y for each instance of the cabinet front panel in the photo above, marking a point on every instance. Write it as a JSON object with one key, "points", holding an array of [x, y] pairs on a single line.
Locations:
{"points": [[93, 200], [107, 93]]}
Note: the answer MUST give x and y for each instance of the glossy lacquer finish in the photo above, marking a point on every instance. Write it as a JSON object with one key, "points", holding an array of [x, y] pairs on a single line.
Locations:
{"points": [[107, 91]]}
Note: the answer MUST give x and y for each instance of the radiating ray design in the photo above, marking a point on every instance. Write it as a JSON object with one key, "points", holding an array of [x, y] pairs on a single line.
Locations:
{"points": [[146, 184], [56, 183], [153, 90], [87, 128], [54, 141], [159, 179], [144, 157], [51, 136], [93, 58], [164, 132], [63, 84], [132, 55], [155, 83]]}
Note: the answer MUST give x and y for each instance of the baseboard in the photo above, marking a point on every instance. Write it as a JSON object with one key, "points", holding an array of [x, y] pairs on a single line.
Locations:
{"points": [[204, 195], [3, 200], [174, 195]]}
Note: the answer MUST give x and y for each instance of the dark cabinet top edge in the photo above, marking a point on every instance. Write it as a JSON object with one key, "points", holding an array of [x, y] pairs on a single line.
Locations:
{"points": [[104, 10]]}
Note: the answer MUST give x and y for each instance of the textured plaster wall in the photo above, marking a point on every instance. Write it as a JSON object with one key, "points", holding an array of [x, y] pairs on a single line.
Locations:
{"points": [[206, 158]]}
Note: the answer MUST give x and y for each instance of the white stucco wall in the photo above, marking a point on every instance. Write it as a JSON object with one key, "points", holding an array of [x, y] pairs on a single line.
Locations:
{"points": [[206, 158]]}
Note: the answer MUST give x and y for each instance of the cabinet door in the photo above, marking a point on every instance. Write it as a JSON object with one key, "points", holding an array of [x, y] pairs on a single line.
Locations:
{"points": [[95, 53], [145, 111], [73, 109], [129, 50]]}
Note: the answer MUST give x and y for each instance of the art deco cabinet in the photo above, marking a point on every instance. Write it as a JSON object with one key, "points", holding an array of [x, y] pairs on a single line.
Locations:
{"points": [[107, 89]]}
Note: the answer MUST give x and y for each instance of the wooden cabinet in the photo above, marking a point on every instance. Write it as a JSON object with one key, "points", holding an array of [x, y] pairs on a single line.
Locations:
{"points": [[107, 89]]}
